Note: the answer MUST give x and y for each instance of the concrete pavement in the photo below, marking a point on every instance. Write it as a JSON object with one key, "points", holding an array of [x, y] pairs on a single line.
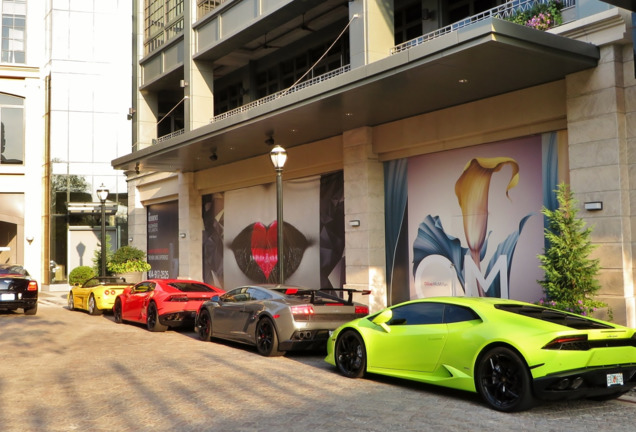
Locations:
{"points": [[68, 371]]}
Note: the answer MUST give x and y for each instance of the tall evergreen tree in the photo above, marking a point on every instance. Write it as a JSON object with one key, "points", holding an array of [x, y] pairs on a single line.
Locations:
{"points": [[570, 282]]}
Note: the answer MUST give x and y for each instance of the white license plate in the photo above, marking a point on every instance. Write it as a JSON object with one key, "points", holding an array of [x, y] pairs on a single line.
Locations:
{"points": [[7, 297], [614, 379]]}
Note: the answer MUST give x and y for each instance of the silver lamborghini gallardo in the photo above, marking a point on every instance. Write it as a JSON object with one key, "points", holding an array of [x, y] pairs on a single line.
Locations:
{"points": [[278, 318]]}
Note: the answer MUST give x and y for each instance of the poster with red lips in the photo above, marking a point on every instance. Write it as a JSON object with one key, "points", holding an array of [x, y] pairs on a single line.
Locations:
{"points": [[240, 240]]}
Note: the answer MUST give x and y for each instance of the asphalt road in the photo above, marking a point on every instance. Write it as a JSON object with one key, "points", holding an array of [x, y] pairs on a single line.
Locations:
{"points": [[68, 371]]}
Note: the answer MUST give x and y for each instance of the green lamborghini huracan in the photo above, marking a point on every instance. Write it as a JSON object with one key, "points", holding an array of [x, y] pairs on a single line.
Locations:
{"points": [[509, 352]]}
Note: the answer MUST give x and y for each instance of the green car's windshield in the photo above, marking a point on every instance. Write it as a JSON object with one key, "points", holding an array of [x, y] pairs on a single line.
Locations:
{"points": [[554, 316]]}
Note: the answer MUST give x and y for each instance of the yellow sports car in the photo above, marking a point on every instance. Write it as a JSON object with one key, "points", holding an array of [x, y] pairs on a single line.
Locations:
{"points": [[97, 294]]}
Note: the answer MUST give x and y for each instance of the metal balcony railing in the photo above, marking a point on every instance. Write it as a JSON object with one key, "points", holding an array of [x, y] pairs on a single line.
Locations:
{"points": [[504, 11], [274, 96]]}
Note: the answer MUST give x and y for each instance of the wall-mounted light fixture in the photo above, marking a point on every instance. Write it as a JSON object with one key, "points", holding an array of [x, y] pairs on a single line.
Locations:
{"points": [[130, 239], [131, 112], [30, 239], [354, 223], [182, 235], [183, 83], [593, 205]]}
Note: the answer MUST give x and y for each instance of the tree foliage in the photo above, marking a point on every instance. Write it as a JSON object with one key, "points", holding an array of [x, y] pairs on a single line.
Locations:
{"points": [[570, 282]]}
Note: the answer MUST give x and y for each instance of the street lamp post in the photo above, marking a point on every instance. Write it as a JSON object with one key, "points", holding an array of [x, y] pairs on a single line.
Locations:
{"points": [[279, 156], [102, 194]]}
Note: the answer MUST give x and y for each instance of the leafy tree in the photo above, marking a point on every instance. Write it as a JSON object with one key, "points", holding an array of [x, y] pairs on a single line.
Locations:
{"points": [[570, 274], [97, 257]]}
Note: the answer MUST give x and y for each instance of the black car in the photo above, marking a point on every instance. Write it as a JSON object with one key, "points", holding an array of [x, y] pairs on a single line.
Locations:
{"points": [[17, 289]]}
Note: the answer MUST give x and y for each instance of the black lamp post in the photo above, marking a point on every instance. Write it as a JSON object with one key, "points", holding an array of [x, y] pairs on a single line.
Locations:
{"points": [[279, 156], [102, 194]]}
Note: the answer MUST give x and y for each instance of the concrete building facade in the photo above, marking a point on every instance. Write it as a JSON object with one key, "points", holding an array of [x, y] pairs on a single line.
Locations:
{"points": [[65, 97], [392, 114]]}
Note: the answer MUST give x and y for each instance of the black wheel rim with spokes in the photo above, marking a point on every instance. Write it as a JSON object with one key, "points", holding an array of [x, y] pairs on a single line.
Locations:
{"points": [[117, 312], [265, 336], [205, 326], [350, 355], [502, 381], [152, 316]]}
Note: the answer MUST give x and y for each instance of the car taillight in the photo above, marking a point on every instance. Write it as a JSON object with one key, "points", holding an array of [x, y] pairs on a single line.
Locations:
{"points": [[572, 343], [33, 286], [302, 310], [362, 310], [178, 298]]}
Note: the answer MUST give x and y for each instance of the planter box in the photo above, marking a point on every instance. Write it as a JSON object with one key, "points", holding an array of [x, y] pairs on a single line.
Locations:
{"points": [[132, 277]]}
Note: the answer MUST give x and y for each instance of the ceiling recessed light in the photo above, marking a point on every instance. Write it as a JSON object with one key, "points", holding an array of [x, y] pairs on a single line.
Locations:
{"points": [[349, 114], [463, 81]]}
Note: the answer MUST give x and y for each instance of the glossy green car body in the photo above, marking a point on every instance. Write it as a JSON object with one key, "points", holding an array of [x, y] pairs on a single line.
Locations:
{"points": [[509, 352]]}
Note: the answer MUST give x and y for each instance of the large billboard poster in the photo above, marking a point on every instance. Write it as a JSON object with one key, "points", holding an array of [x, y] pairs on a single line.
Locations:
{"points": [[240, 236], [163, 240], [470, 220]]}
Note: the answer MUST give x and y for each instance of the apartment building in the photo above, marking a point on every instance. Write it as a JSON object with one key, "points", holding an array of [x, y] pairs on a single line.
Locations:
{"points": [[423, 138], [65, 86]]}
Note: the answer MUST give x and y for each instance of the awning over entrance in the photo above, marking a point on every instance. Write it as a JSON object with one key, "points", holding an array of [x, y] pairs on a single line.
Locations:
{"points": [[486, 59]]}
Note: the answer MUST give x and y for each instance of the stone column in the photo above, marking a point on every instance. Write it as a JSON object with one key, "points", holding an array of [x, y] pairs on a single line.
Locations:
{"points": [[364, 202], [601, 111], [371, 33], [191, 224]]}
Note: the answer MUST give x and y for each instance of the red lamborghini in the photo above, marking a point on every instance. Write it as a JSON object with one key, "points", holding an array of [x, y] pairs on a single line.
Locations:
{"points": [[163, 303]]}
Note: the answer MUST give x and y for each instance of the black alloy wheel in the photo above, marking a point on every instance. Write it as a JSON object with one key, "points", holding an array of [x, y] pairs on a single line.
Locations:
{"points": [[92, 307], [117, 311], [71, 302], [350, 354], [503, 380], [204, 326], [152, 319], [267, 339]]}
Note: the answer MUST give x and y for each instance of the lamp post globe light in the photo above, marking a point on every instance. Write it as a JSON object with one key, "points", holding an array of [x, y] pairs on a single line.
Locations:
{"points": [[278, 156], [102, 194]]}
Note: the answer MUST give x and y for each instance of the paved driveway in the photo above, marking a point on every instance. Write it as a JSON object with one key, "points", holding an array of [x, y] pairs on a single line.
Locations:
{"points": [[68, 371]]}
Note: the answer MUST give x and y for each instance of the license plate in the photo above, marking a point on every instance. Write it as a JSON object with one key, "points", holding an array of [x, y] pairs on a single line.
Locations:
{"points": [[7, 297], [614, 379]]}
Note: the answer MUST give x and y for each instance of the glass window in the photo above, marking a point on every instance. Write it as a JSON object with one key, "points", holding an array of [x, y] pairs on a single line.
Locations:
{"points": [[454, 314], [13, 31], [258, 294], [11, 129], [418, 313]]}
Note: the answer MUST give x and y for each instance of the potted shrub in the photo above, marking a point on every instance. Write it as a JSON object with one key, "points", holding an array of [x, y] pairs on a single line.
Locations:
{"points": [[128, 262]]}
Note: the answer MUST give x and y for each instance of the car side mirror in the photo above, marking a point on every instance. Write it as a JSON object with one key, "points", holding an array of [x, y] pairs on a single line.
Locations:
{"points": [[382, 318]]}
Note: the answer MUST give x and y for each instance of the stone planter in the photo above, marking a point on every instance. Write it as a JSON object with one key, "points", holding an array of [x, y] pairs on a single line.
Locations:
{"points": [[131, 277]]}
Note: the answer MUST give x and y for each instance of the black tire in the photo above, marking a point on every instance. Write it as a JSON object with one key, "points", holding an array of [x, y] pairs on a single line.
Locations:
{"points": [[350, 354], [117, 311], [152, 319], [32, 310], [71, 302], [92, 307], [267, 339], [204, 326], [503, 380]]}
